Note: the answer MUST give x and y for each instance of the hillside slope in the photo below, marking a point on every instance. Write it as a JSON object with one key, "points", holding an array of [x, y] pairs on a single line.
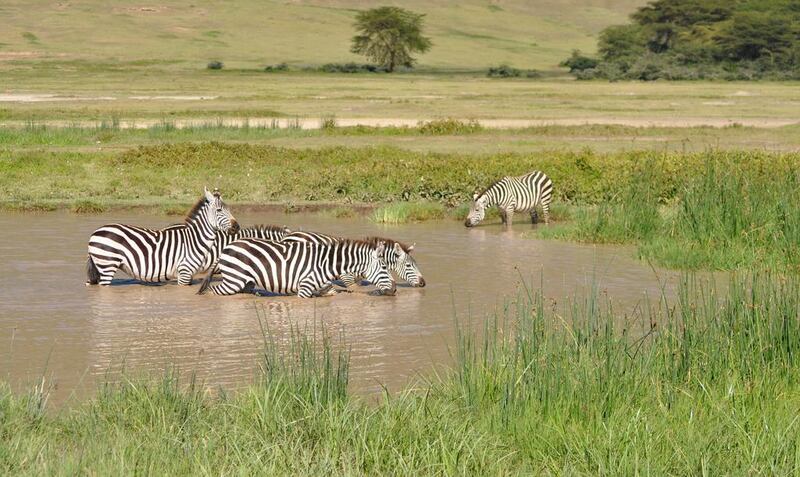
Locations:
{"points": [[251, 33]]}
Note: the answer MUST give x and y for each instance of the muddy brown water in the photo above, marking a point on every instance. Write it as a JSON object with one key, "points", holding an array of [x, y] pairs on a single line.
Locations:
{"points": [[53, 326]]}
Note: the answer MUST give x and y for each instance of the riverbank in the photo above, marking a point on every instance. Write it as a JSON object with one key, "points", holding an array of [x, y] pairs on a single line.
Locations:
{"points": [[706, 382], [716, 209]]}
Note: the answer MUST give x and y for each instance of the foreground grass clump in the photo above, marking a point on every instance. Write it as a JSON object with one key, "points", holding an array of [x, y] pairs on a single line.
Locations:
{"points": [[403, 212], [707, 382], [730, 214]]}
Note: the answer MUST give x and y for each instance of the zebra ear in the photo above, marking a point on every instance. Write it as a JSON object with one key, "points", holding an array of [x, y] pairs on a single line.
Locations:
{"points": [[398, 249], [475, 196], [209, 196], [411, 247], [379, 248]]}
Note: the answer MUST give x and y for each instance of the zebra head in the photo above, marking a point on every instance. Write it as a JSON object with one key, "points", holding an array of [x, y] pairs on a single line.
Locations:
{"points": [[477, 211], [218, 214], [377, 272], [405, 266]]}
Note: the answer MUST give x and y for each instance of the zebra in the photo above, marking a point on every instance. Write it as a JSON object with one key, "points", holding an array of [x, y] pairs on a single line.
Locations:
{"points": [[222, 240], [297, 267], [150, 255], [510, 194], [396, 254]]}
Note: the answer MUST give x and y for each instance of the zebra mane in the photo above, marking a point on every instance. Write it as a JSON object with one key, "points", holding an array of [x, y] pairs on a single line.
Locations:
{"points": [[389, 243], [493, 184], [195, 210]]}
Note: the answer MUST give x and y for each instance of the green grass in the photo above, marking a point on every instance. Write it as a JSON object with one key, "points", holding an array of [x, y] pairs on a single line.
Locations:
{"points": [[457, 136], [703, 384], [730, 214], [404, 212]]}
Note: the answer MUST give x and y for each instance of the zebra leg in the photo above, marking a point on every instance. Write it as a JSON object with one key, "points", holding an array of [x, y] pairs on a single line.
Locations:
{"points": [[534, 216], [503, 216], [326, 290], [349, 279], [185, 275], [231, 287], [546, 212], [307, 288], [509, 217], [105, 271]]}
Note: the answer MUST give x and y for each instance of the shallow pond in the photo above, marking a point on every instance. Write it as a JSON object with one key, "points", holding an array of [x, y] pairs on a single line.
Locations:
{"points": [[52, 325]]}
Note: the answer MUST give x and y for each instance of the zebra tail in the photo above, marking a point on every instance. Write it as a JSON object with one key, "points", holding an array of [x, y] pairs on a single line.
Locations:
{"points": [[207, 280], [92, 274]]}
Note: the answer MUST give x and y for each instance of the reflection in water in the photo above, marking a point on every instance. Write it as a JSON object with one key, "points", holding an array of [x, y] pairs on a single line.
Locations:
{"points": [[50, 323]]}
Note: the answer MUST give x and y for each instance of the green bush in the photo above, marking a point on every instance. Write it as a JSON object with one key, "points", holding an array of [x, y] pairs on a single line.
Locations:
{"points": [[277, 67], [503, 71], [448, 127]]}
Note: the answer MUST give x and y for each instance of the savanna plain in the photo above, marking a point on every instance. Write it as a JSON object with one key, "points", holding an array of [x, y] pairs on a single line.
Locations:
{"points": [[698, 180]]}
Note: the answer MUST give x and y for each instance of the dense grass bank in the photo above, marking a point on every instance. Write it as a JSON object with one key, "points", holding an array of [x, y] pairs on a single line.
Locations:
{"points": [[714, 209], [705, 384], [256, 173], [730, 214]]}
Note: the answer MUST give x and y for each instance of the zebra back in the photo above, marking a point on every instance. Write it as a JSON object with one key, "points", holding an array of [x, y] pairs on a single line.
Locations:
{"points": [[222, 240]]}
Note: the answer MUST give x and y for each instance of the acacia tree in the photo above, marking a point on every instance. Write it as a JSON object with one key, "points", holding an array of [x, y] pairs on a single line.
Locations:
{"points": [[389, 35]]}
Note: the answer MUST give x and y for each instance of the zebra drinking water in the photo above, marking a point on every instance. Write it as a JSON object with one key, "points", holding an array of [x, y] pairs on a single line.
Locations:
{"points": [[222, 240], [510, 194], [397, 256], [297, 267], [159, 255]]}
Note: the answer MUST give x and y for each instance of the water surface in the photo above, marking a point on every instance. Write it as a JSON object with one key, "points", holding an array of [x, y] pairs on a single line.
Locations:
{"points": [[52, 325]]}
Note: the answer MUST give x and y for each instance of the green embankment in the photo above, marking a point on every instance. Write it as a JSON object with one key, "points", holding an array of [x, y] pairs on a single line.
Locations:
{"points": [[705, 384], [702, 210]]}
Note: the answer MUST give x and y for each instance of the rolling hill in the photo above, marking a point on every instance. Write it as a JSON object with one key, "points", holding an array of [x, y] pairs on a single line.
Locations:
{"points": [[252, 33]]}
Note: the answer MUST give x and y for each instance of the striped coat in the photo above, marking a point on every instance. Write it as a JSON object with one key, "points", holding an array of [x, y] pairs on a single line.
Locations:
{"points": [[514, 194], [222, 240], [396, 254], [297, 267], [159, 255]]}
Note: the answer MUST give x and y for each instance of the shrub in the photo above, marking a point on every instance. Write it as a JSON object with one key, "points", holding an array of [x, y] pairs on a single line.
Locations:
{"points": [[351, 68], [578, 62], [215, 65], [278, 67], [503, 71], [445, 127]]}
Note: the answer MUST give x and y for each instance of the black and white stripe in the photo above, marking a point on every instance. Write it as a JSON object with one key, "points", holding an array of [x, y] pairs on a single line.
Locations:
{"points": [[222, 240], [396, 255], [295, 267], [514, 194], [151, 255]]}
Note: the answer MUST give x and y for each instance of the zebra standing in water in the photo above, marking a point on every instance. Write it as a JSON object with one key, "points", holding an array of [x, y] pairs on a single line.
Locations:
{"points": [[267, 232], [396, 255], [159, 255], [512, 194], [297, 267]]}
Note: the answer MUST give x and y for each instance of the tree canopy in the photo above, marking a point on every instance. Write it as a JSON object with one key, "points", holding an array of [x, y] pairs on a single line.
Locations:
{"points": [[675, 39], [389, 35]]}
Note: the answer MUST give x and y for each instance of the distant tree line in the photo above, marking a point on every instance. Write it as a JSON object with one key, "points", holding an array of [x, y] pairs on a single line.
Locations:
{"points": [[699, 39]]}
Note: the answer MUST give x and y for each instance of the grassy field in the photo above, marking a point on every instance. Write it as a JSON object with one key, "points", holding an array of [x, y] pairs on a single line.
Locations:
{"points": [[705, 385], [112, 91], [252, 34], [457, 138]]}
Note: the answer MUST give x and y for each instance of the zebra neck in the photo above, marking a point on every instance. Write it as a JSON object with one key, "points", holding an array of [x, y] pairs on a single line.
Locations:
{"points": [[203, 234], [492, 195]]}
